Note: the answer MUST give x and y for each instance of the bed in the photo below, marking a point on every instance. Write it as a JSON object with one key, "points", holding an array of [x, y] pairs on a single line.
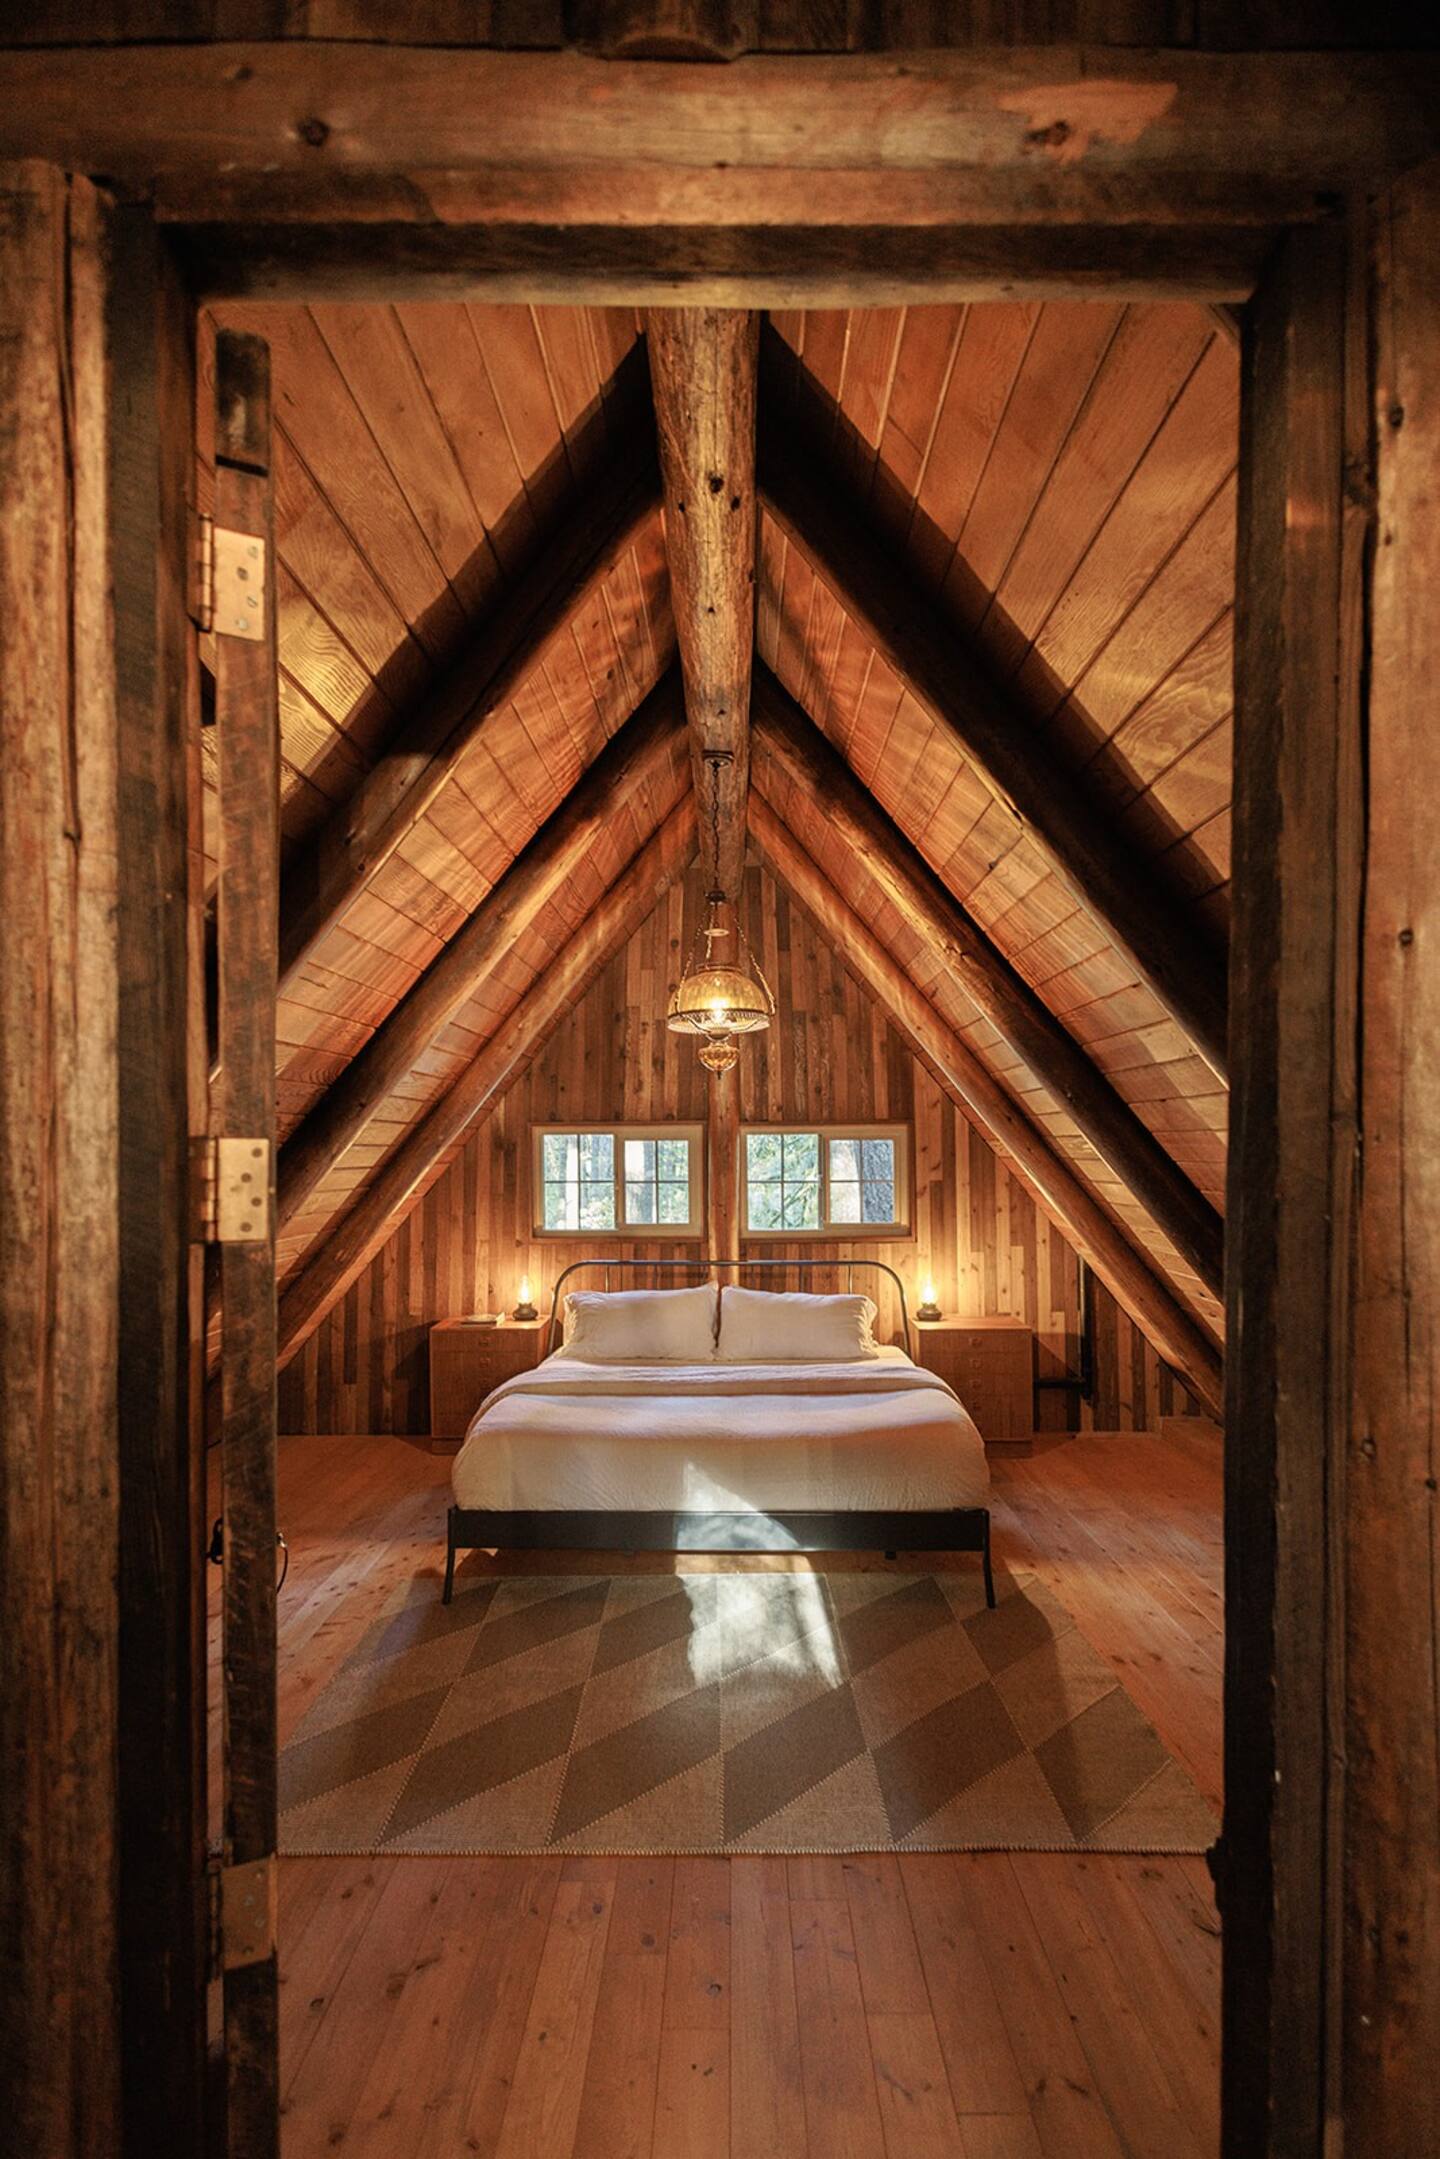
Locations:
{"points": [[683, 1442]]}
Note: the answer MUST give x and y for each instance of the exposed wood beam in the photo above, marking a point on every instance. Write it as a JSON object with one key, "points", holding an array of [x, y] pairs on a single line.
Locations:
{"points": [[1051, 1182], [949, 677], [992, 135], [632, 760], [562, 572], [759, 265], [1018, 1015], [702, 369], [384, 1202]]}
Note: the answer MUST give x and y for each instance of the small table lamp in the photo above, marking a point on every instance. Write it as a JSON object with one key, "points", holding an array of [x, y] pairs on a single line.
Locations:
{"points": [[524, 1309], [927, 1308]]}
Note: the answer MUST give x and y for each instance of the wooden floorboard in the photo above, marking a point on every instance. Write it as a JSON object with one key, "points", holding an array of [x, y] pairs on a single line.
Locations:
{"points": [[989, 2006]]}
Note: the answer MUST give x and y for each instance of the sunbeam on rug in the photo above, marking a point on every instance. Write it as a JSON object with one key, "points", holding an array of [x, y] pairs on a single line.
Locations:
{"points": [[731, 1713]]}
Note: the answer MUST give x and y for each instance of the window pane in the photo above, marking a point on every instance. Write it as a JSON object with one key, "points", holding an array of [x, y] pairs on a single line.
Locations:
{"points": [[844, 1158], [597, 1155], [762, 1155], [764, 1207], [878, 1159], [560, 1157], [561, 1207], [845, 1201], [672, 1159], [639, 1158], [639, 1202], [879, 1202], [674, 1202], [801, 1156], [597, 1206], [802, 1206]]}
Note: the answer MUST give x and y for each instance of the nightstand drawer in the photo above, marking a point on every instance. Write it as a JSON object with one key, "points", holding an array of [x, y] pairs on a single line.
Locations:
{"points": [[467, 1361]]}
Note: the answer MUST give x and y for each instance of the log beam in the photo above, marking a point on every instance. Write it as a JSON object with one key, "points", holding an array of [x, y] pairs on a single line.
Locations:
{"points": [[992, 135], [401, 1180], [562, 574], [950, 680], [702, 369], [633, 759], [807, 760], [1051, 1182]]}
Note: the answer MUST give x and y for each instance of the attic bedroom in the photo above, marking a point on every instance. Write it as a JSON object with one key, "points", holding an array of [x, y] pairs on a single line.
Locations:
{"points": [[491, 1129], [676, 1485]]}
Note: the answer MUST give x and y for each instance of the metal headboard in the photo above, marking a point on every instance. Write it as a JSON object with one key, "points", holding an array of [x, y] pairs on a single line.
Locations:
{"points": [[735, 1266]]}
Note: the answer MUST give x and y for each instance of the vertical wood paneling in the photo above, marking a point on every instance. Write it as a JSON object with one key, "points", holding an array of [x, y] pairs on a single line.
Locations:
{"points": [[831, 1057]]}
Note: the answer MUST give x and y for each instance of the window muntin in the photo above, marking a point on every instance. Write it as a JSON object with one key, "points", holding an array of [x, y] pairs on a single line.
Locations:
{"points": [[825, 1180], [617, 1181]]}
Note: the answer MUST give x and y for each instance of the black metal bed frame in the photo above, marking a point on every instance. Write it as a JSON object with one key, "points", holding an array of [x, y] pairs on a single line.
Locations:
{"points": [[959, 1529]]}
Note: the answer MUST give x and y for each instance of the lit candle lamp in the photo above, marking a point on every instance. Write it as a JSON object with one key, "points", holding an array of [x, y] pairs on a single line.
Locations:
{"points": [[524, 1309], [929, 1309]]}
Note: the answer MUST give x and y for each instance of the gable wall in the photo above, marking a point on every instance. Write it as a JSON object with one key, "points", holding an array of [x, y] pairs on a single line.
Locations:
{"points": [[831, 1058]]}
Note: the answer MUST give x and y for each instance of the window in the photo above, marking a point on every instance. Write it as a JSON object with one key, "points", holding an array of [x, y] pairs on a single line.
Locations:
{"points": [[848, 1182], [617, 1180]]}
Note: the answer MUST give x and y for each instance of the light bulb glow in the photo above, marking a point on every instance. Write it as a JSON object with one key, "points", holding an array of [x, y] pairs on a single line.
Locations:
{"points": [[524, 1289], [927, 1294]]}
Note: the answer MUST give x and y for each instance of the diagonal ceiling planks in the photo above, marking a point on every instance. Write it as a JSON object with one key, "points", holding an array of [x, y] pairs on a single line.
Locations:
{"points": [[960, 692], [568, 564]]}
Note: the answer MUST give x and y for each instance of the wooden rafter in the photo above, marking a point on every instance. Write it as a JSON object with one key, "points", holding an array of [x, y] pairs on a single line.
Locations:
{"points": [[585, 540], [1052, 1183], [1018, 1015], [630, 761], [394, 1188], [950, 679], [702, 367]]}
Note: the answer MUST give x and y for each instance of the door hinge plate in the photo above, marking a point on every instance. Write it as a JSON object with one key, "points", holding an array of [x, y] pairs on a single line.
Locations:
{"points": [[232, 1183], [229, 581], [243, 1912]]}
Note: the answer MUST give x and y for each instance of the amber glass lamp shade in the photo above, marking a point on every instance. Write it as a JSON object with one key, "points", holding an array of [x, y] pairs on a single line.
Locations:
{"points": [[719, 1001]]}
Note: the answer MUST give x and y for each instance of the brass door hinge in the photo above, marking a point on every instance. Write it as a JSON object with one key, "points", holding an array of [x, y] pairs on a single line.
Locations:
{"points": [[243, 1912], [229, 575], [231, 1184]]}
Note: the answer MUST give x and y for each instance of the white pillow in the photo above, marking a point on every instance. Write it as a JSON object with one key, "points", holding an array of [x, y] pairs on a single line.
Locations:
{"points": [[642, 1326], [760, 1326]]}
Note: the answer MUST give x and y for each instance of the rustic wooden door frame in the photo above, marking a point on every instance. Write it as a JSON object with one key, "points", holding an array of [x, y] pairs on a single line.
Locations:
{"points": [[103, 1944], [1309, 465]]}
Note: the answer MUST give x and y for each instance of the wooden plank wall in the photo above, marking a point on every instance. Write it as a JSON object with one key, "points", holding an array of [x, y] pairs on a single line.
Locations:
{"points": [[831, 1057]]}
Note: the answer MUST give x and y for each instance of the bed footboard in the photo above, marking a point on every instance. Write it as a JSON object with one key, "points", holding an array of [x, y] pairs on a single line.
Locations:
{"points": [[965, 1529]]}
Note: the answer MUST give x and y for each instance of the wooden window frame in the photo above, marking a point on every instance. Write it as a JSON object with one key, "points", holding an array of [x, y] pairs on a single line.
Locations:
{"points": [[690, 1231], [900, 1231]]}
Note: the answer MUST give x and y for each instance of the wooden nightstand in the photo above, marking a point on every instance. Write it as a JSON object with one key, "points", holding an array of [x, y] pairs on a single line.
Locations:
{"points": [[468, 1359], [991, 1365]]}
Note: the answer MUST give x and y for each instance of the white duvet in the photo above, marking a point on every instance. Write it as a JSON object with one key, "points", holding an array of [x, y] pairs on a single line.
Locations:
{"points": [[878, 1434]]}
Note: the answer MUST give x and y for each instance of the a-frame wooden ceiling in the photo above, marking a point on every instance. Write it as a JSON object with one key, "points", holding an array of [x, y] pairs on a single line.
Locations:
{"points": [[1056, 480]]}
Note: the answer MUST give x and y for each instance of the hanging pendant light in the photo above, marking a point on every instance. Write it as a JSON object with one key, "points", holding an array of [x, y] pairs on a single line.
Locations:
{"points": [[719, 997]]}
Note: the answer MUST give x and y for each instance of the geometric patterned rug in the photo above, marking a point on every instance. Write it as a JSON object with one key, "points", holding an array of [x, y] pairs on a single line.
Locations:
{"points": [[731, 1713]]}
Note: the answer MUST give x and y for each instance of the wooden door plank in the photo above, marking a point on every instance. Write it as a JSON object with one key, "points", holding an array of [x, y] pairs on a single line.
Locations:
{"points": [[247, 918]]}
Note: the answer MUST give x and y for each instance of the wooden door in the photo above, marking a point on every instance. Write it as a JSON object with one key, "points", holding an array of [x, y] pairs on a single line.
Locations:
{"points": [[241, 555]]}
